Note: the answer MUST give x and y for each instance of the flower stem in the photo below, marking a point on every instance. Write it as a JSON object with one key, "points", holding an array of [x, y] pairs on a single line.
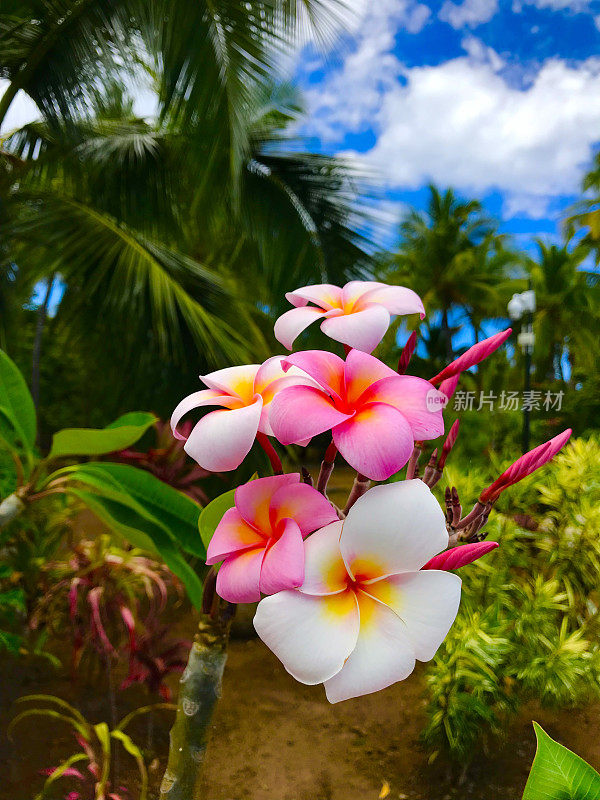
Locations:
{"points": [[326, 469], [274, 459], [413, 462], [359, 487], [200, 688]]}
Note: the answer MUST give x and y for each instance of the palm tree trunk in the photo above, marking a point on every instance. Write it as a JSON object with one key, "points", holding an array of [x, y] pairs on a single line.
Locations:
{"points": [[42, 314], [446, 334]]}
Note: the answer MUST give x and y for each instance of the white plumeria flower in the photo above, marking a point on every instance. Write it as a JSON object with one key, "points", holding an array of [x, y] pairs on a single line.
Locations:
{"points": [[366, 611]]}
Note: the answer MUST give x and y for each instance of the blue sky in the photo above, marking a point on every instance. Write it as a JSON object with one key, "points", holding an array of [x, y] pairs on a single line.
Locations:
{"points": [[499, 99]]}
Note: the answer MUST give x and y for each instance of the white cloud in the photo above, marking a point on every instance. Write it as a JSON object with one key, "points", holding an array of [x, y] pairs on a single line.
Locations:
{"points": [[353, 93], [527, 205], [461, 123], [468, 13], [553, 5]]}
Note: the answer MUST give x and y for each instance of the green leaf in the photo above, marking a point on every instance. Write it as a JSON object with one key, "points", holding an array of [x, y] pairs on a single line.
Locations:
{"points": [[15, 598], [16, 399], [211, 515], [134, 751], [10, 642], [124, 515], [60, 771], [46, 712], [559, 774], [103, 734], [121, 433], [175, 510], [114, 515]]}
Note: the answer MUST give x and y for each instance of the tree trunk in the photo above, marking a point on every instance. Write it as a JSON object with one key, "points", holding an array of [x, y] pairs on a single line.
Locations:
{"points": [[200, 688], [446, 334], [42, 314]]}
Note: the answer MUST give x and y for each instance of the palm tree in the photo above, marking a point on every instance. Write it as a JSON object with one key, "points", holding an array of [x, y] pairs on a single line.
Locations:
{"points": [[161, 244], [453, 258], [568, 309]]}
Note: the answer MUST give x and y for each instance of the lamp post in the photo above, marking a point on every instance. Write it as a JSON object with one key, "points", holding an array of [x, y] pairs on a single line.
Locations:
{"points": [[521, 307]]}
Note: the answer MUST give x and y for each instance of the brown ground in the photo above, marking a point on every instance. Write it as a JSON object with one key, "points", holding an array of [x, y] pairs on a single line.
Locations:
{"points": [[275, 739]]}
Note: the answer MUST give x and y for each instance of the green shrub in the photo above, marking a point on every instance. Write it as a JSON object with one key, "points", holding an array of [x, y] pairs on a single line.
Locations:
{"points": [[529, 624]]}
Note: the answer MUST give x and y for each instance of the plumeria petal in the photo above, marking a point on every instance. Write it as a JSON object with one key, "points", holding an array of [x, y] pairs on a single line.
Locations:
{"points": [[269, 371], [238, 580], [383, 654], [326, 369], [393, 529], [222, 439], [232, 534], [426, 602], [415, 398], [307, 507], [312, 636], [234, 380], [283, 564], [301, 412], [324, 568], [354, 291], [291, 324], [273, 389], [205, 397], [362, 329], [361, 371], [253, 499], [396, 299], [377, 441], [324, 295]]}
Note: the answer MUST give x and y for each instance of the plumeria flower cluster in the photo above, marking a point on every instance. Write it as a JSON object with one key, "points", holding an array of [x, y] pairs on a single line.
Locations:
{"points": [[351, 597]]}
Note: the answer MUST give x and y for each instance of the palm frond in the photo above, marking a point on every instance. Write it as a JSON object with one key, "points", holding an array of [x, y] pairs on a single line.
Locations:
{"points": [[154, 287]]}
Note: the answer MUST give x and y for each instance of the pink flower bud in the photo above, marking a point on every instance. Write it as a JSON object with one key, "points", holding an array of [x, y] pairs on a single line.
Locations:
{"points": [[460, 556], [448, 387], [449, 443], [473, 356], [525, 465], [407, 353]]}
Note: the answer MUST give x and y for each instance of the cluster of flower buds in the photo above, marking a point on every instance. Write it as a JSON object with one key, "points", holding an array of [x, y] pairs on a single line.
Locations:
{"points": [[469, 528]]}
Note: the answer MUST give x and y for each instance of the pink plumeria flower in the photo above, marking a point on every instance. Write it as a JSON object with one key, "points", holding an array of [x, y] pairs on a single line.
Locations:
{"points": [[357, 315], [260, 540], [222, 439], [375, 415], [365, 611]]}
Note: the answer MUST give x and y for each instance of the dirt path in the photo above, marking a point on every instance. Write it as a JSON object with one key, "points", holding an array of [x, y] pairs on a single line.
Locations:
{"points": [[275, 739]]}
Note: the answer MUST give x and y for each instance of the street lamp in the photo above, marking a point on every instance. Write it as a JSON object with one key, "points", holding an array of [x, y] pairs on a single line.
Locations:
{"points": [[522, 306]]}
